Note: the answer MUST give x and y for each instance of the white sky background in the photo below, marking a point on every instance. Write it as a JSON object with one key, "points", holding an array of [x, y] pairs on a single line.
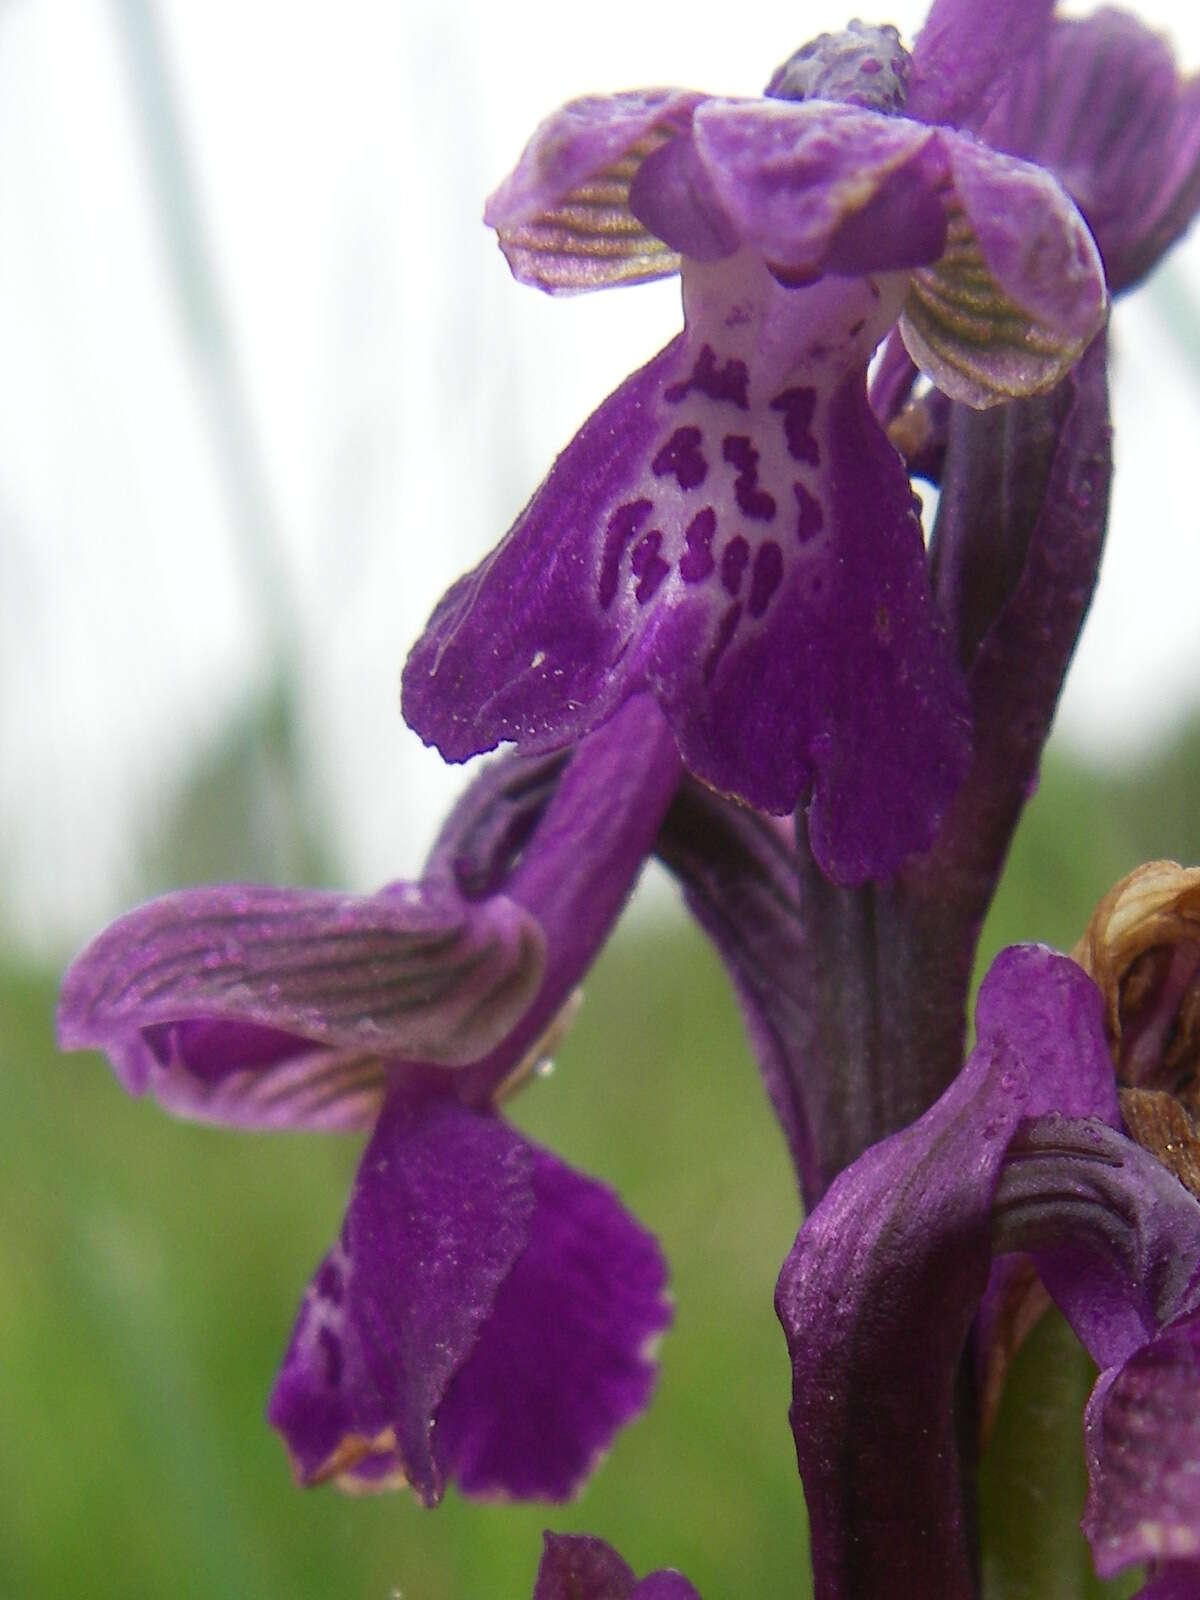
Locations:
{"points": [[406, 394]]}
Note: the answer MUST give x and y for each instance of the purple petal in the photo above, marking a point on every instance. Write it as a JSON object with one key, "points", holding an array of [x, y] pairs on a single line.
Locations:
{"points": [[1101, 104], [1115, 1237], [575, 1566], [564, 1359], [1116, 1240], [1180, 1580], [878, 1293], [1031, 237], [965, 51], [1018, 294], [522, 648], [673, 196], [483, 838], [274, 1007], [794, 178], [1142, 1434], [731, 531], [440, 1212], [664, 1586], [563, 216]]}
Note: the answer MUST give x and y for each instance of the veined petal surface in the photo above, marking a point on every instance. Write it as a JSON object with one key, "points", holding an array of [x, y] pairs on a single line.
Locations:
{"points": [[275, 1007], [1018, 293], [966, 50], [563, 217], [1102, 105]]}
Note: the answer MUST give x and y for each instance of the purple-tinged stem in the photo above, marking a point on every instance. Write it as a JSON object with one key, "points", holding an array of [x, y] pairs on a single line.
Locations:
{"points": [[885, 970]]}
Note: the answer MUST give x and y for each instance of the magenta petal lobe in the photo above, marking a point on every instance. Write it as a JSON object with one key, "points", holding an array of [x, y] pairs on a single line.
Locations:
{"points": [[565, 1358], [438, 1216], [1142, 1433]]}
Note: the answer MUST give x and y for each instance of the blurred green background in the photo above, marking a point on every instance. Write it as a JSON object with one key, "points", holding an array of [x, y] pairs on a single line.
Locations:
{"points": [[151, 1271]]}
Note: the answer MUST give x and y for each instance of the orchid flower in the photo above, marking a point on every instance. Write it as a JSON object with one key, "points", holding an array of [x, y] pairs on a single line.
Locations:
{"points": [[486, 1313], [731, 530]]}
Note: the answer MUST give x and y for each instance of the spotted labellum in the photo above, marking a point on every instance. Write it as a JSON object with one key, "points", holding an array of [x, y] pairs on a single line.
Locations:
{"points": [[732, 530]]}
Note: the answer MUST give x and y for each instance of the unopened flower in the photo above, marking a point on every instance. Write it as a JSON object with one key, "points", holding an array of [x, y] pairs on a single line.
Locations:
{"points": [[1023, 1154], [486, 1313], [732, 530]]}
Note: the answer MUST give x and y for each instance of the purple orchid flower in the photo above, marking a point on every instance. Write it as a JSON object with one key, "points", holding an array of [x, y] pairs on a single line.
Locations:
{"points": [[486, 1314], [1022, 1153], [731, 529]]}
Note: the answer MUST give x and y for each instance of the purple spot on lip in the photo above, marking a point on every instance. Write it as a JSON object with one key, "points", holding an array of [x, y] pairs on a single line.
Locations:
{"points": [[698, 561], [753, 501], [726, 629], [623, 526], [682, 456], [810, 519], [733, 563], [765, 579], [648, 566], [730, 382], [799, 407]]}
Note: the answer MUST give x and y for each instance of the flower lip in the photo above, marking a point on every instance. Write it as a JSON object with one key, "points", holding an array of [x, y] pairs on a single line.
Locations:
{"points": [[862, 66]]}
